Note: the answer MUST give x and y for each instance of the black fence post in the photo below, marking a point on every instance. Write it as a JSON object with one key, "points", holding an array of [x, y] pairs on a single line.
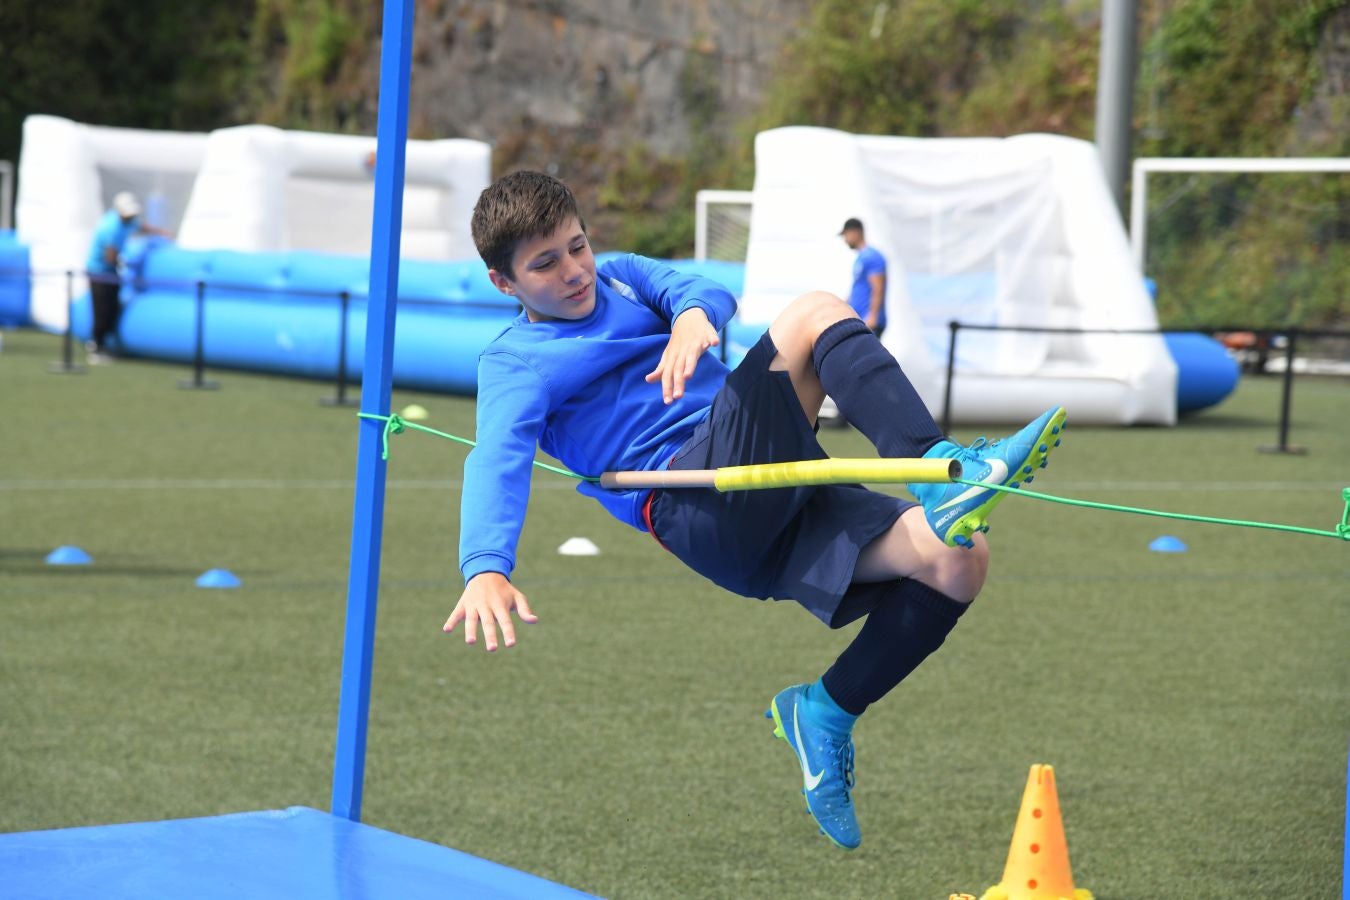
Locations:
{"points": [[198, 382], [955, 327], [340, 399], [67, 364], [1286, 397]]}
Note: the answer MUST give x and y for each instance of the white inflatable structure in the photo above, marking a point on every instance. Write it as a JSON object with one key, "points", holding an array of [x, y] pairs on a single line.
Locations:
{"points": [[252, 188], [68, 174], [264, 189], [1017, 231]]}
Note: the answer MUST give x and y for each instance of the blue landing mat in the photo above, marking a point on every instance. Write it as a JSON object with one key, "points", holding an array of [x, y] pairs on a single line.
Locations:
{"points": [[291, 853]]}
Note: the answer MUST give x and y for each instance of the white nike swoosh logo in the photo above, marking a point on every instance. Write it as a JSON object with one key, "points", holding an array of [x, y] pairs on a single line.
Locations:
{"points": [[998, 471], [811, 780]]}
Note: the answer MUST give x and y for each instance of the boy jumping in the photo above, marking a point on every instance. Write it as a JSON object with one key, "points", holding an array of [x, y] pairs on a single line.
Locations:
{"points": [[606, 369]]}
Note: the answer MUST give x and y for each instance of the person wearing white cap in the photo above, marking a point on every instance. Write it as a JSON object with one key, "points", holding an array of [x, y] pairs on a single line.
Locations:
{"points": [[118, 224]]}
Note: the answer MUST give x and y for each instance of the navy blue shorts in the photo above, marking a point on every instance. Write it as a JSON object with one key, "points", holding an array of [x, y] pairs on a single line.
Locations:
{"points": [[781, 543]]}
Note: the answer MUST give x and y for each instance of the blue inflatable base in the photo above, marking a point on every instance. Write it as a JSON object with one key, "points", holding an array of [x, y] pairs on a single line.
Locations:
{"points": [[283, 313], [15, 281], [290, 854], [1206, 372]]}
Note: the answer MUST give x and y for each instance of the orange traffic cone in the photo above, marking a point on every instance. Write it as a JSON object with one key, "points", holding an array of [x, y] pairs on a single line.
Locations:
{"points": [[1038, 860]]}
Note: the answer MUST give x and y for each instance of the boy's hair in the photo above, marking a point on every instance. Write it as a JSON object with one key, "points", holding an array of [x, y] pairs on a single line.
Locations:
{"points": [[515, 208]]}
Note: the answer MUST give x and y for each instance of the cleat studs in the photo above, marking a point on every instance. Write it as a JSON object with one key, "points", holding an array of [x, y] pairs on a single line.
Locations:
{"points": [[1044, 449], [1015, 484], [1054, 429], [1026, 470], [1030, 478], [1044, 463]]}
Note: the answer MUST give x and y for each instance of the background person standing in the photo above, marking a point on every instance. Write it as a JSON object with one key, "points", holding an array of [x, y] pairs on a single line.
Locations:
{"points": [[868, 294], [118, 224]]}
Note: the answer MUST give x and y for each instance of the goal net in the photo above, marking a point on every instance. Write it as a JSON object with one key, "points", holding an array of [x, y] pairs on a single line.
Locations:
{"points": [[722, 225], [1261, 242]]}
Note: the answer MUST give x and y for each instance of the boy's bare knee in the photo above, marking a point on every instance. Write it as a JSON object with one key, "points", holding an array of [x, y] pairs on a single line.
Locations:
{"points": [[803, 320], [959, 573]]}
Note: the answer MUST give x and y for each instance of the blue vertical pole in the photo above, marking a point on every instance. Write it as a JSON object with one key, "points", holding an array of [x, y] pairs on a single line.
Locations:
{"points": [[377, 381], [1345, 872]]}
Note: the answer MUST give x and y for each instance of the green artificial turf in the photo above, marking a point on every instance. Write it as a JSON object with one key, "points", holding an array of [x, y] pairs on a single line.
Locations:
{"points": [[1194, 705]]}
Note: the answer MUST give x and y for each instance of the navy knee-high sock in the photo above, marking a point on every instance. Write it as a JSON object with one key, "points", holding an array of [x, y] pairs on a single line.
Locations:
{"points": [[908, 625], [872, 391]]}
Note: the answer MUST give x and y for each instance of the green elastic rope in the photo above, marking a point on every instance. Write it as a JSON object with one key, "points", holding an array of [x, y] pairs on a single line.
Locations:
{"points": [[395, 424], [1342, 530]]}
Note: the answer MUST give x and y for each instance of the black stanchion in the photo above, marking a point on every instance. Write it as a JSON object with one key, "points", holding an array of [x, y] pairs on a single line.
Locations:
{"points": [[955, 327], [198, 382], [1286, 398], [67, 365], [340, 398]]}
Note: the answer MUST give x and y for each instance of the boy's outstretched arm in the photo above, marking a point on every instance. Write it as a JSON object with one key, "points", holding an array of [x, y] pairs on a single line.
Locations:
{"points": [[690, 337], [487, 601]]}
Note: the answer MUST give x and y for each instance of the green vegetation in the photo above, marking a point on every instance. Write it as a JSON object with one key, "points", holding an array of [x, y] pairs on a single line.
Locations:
{"points": [[1258, 251], [1194, 705], [1223, 77], [895, 68], [1268, 250], [182, 65], [1215, 78], [315, 50]]}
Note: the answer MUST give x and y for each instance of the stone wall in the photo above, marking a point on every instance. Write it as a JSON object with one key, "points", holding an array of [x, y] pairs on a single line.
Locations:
{"points": [[564, 85]]}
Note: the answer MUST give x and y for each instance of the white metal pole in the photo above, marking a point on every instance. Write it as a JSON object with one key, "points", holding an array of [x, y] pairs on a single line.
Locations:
{"points": [[1115, 93], [6, 195]]}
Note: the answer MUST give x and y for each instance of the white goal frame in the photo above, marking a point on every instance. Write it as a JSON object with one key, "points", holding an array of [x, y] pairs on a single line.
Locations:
{"points": [[6, 195], [1210, 165]]}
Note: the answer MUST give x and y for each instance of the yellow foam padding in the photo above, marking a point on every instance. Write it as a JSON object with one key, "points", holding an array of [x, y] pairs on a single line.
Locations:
{"points": [[836, 471]]}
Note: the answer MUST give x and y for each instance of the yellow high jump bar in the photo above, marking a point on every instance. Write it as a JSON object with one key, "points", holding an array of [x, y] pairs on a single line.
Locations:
{"points": [[791, 474]]}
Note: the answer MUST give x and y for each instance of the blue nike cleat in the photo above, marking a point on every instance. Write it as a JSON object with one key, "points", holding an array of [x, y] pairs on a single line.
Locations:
{"points": [[826, 759], [957, 511]]}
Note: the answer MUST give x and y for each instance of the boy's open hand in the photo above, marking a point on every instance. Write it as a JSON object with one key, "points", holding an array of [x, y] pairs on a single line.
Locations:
{"points": [[690, 336], [487, 602]]}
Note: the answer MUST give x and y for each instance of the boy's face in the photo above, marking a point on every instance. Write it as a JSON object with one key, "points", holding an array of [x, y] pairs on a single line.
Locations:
{"points": [[555, 275]]}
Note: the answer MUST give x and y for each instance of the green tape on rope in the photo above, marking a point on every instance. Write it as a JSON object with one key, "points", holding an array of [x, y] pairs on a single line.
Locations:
{"points": [[395, 425]]}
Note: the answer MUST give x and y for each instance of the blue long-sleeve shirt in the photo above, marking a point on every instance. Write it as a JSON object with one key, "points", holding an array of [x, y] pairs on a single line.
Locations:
{"points": [[111, 231], [577, 390]]}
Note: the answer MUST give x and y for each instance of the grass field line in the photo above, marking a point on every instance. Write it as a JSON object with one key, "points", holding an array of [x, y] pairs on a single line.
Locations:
{"points": [[449, 484]]}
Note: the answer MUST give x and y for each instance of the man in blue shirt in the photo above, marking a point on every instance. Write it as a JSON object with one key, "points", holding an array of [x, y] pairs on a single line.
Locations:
{"points": [[868, 294], [607, 369], [118, 224]]}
